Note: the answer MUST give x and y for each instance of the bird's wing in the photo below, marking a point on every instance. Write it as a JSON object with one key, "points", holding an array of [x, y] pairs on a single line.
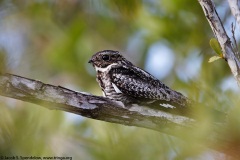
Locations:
{"points": [[137, 83]]}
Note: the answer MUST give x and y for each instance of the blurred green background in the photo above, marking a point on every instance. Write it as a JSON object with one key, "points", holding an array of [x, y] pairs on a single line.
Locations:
{"points": [[52, 41]]}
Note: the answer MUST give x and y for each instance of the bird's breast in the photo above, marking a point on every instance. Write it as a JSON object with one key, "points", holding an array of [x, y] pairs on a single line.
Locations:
{"points": [[108, 87]]}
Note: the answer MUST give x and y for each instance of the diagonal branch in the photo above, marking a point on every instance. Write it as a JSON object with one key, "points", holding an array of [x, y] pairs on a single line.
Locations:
{"points": [[230, 56], [100, 108], [87, 105], [235, 9]]}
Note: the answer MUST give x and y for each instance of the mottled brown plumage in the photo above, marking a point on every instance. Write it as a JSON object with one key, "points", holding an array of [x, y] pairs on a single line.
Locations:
{"points": [[121, 81]]}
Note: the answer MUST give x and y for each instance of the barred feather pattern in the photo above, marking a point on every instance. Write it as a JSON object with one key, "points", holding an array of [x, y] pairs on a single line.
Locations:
{"points": [[121, 81]]}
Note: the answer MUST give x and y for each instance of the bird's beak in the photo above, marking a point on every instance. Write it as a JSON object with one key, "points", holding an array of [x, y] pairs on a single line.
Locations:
{"points": [[90, 61]]}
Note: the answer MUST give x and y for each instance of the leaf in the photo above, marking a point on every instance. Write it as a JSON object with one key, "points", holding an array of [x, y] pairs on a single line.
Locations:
{"points": [[213, 58], [216, 46]]}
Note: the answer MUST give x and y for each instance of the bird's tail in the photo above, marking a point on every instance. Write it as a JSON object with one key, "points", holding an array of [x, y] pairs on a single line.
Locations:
{"points": [[179, 100]]}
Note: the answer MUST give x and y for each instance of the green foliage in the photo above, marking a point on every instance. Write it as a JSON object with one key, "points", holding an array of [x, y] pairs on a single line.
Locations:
{"points": [[59, 38], [2, 62], [214, 58], [217, 48]]}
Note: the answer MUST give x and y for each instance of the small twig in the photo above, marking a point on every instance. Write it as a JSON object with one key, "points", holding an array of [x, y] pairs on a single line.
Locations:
{"points": [[222, 37], [235, 9], [234, 39]]}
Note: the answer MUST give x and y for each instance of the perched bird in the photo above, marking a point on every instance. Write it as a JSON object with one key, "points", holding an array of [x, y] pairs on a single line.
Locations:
{"points": [[121, 81]]}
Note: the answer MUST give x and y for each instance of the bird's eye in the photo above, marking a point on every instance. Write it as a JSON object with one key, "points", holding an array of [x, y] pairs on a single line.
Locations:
{"points": [[106, 57]]}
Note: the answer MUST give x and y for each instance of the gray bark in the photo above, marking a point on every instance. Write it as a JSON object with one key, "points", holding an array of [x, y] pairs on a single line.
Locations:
{"points": [[87, 105], [219, 31], [101, 108], [235, 9]]}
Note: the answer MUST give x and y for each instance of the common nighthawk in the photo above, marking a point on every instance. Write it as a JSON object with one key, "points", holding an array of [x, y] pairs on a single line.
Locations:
{"points": [[121, 81]]}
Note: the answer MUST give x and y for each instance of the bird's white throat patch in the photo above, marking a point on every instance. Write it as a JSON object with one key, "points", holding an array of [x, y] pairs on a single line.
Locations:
{"points": [[106, 68]]}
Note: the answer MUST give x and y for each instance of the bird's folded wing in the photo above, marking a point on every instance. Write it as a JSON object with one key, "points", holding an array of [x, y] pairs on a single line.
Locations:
{"points": [[140, 84]]}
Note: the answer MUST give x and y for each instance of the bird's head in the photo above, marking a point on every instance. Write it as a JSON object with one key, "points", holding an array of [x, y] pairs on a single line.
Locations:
{"points": [[105, 58]]}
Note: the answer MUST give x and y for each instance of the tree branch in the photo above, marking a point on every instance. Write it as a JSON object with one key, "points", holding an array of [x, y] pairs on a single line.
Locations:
{"points": [[87, 105], [235, 9], [230, 56], [100, 108]]}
